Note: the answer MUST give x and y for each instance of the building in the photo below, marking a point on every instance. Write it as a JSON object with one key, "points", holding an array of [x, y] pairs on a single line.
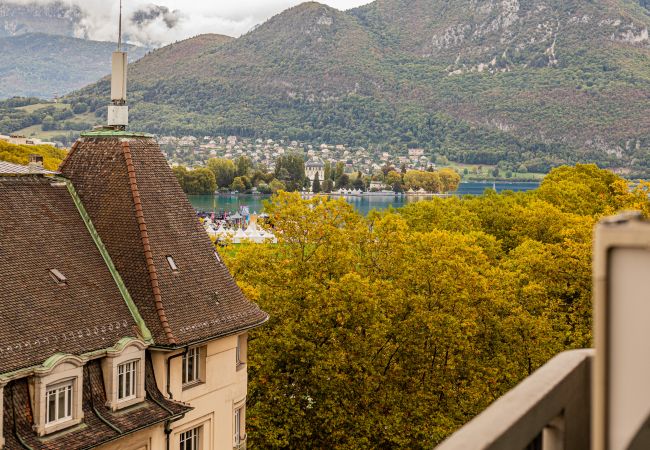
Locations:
{"points": [[122, 327], [314, 167]]}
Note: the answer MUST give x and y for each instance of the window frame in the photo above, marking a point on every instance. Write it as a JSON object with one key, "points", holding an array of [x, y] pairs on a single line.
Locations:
{"points": [[193, 355], [239, 425], [194, 440], [55, 388], [131, 369]]}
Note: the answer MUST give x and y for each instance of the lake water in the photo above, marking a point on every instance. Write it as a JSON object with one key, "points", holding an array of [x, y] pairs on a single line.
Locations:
{"points": [[362, 204]]}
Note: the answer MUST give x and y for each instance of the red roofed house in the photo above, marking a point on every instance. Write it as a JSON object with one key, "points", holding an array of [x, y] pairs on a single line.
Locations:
{"points": [[122, 327]]}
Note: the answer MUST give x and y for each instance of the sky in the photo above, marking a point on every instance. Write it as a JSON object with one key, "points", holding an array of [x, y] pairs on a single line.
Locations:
{"points": [[164, 21]]}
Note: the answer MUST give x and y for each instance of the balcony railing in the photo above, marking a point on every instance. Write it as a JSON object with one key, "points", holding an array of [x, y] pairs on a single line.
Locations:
{"points": [[549, 410]]}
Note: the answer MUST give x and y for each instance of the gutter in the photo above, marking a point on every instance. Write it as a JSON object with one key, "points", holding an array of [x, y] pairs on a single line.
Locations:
{"points": [[211, 338]]}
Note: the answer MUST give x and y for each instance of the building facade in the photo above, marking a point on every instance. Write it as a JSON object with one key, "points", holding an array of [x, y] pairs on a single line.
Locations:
{"points": [[123, 327]]}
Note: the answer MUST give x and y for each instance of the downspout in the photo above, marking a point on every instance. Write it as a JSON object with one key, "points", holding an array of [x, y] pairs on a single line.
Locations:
{"points": [[18, 436], [168, 430], [169, 391]]}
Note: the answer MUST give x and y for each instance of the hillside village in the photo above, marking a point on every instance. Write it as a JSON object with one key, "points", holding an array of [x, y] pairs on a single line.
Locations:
{"points": [[195, 152]]}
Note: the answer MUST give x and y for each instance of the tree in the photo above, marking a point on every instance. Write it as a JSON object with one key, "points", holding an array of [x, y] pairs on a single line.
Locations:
{"points": [[412, 316], [328, 185], [223, 169], [277, 186], [342, 182], [327, 175], [315, 187], [200, 181], [358, 182], [290, 169], [449, 179], [238, 184], [181, 173], [244, 166]]}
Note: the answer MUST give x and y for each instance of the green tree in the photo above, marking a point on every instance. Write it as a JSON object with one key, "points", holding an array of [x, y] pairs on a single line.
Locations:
{"points": [[244, 166], [238, 184], [315, 187], [290, 169], [223, 169]]}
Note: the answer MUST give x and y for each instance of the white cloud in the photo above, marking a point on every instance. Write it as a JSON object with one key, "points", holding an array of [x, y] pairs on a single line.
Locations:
{"points": [[192, 17]]}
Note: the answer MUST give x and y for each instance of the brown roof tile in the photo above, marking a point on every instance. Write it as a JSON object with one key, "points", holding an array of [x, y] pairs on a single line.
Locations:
{"points": [[41, 229], [143, 216]]}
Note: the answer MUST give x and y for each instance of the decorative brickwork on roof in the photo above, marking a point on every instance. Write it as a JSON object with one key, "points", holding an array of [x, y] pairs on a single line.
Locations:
{"points": [[143, 216], [94, 431], [41, 229]]}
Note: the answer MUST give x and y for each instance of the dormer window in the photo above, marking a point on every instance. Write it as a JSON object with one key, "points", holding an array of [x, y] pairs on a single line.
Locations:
{"points": [[57, 394], [172, 264], [58, 277], [123, 371]]}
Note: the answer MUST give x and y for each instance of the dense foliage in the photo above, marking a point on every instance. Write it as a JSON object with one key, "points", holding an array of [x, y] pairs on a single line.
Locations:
{"points": [[393, 330], [19, 154]]}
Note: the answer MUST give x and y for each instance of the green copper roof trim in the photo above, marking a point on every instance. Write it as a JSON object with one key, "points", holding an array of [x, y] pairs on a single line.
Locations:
{"points": [[115, 133], [146, 334], [54, 359]]}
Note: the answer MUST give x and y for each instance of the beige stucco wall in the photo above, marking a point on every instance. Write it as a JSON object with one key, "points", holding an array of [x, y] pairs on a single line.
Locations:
{"points": [[214, 399]]}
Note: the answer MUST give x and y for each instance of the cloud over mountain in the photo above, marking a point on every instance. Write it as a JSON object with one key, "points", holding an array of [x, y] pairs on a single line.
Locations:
{"points": [[146, 23]]}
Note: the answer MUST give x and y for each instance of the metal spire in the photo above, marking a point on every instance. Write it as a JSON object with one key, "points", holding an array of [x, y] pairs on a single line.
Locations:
{"points": [[119, 39]]}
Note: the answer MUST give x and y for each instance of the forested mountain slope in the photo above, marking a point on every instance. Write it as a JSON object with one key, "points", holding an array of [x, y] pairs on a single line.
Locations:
{"points": [[540, 82], [45, 65]]}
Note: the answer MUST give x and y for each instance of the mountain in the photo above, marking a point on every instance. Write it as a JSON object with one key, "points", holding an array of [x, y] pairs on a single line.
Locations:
{"points": [[535, 83], [43, 65], [56, 18]]}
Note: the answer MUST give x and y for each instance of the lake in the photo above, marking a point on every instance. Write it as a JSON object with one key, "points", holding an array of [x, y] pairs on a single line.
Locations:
{"points": [[362, 204]]}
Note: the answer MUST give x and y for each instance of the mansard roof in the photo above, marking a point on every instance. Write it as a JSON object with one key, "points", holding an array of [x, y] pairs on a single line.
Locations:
{"points": [[44, 236], [143, 217], [100, 424]]}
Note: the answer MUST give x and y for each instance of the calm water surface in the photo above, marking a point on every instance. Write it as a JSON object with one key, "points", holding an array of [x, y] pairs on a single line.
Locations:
{"points": [[362, 204]]}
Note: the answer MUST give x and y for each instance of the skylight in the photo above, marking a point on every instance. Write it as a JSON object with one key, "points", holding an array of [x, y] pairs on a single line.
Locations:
{"points": [[172, 264], [58, 277]]}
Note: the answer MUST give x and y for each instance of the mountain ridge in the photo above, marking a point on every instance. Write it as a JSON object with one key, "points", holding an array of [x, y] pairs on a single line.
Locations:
{"points": [[477, 81]]}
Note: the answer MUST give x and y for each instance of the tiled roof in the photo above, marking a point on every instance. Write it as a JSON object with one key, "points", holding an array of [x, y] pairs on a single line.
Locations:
{"points": [[143, 216], [7, 168], [41, 229], [18, 414]]}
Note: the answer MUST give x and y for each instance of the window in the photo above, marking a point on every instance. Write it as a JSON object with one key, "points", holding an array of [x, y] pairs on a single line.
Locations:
{"points": [[239, 436], [191, 366], [126, 380], [58, 401], [58, 277], [190, 439], [240, 351], [172, 264]]}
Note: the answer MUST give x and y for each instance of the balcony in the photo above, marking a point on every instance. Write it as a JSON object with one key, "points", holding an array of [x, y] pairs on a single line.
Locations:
{"points": [[549, 410]]}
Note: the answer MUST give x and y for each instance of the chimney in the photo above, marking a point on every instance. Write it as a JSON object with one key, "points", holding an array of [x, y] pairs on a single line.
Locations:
{"points": [[118, 112], [35, 160]]}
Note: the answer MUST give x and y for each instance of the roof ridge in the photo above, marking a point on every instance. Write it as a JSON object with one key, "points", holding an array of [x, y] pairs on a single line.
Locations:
{"points": [[144, 235]]}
